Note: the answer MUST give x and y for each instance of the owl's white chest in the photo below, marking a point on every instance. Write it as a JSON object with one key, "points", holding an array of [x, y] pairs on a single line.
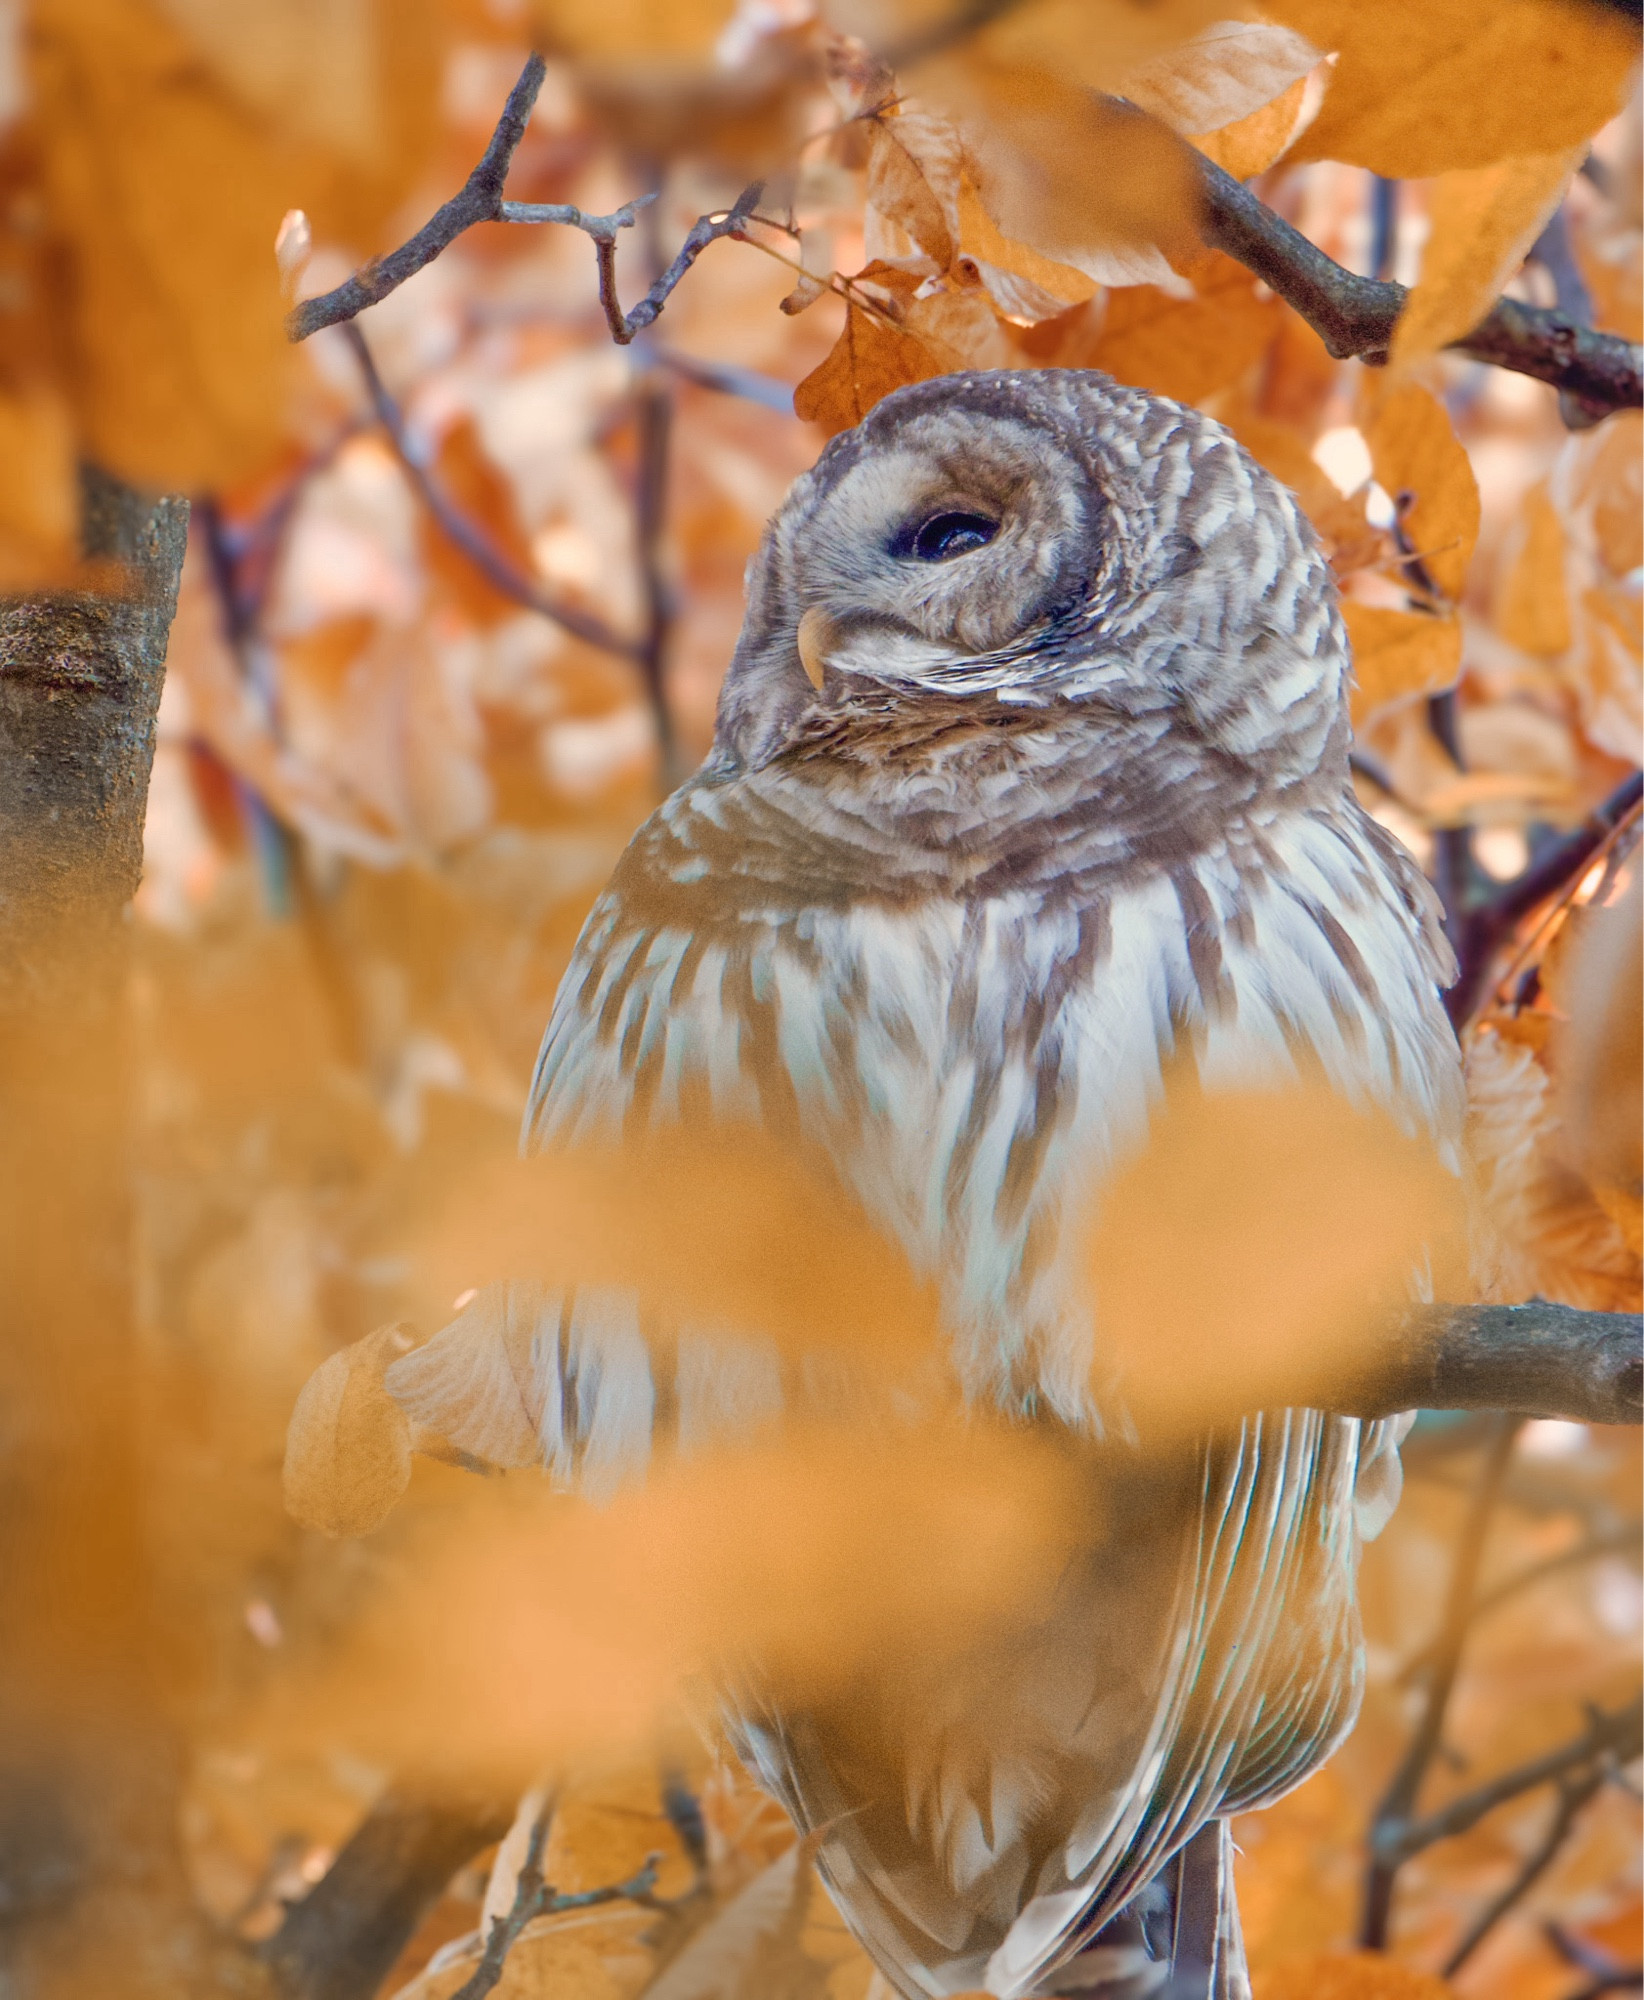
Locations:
{"points": [[974, 1065]]}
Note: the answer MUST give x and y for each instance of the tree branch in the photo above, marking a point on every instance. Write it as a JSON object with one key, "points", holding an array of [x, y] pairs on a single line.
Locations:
{"points": [[480, 200], [1537, 1360], [1356, 316], [465, 534], [343, 1937]]}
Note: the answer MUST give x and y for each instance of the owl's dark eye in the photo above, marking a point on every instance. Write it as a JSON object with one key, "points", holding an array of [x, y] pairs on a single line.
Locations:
{"points": [[945, 536]]}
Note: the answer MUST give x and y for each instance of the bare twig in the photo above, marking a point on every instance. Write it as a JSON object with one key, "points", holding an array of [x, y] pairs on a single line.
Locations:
{"points": [[654, 417], [1356, 316], [1392, 1816], [1485, 927], [1607, 1740], [1622, 1540], [465, 534], [480, 200], [533, 1898], [1574, 1790], [707, 229], [1605, 1974], [1537, 1360]]}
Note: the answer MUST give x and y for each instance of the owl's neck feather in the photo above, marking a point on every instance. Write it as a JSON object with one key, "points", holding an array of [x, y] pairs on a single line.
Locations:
{"points": [[899, 797]]}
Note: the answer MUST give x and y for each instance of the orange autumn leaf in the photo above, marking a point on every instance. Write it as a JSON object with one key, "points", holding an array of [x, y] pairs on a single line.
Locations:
{"points": [[1249, 146], [1361, 1975], [1419, 90], [1481, 221], [1398, 655], [869, 360], [1421, 463], [1186, 348]]}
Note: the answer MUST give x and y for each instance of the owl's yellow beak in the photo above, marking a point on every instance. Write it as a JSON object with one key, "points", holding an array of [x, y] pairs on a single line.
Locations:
{"points": [[814, 637]]}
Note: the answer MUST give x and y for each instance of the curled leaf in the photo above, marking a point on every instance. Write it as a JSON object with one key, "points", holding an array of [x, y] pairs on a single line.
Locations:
{"points": [[348, 1446]]}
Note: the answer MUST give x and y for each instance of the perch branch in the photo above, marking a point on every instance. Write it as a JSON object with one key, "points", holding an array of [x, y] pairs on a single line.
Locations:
{"points": [[1356, 316], [479, 200], [465, 534], [1537, 1360]]}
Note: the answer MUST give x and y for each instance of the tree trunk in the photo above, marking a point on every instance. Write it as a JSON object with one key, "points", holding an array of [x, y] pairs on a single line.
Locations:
{"points": [[92, 1895]]}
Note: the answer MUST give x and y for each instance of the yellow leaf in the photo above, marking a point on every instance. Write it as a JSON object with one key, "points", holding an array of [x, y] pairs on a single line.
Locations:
{"points": [[1483, 220], [1418, 459], [866, 363], [1532, 607], [960, 329], [348, 1447], [1248, 1257], [1251, 145], [1424, 86], [1399, 654], [1226, 73], [524, 1628]]}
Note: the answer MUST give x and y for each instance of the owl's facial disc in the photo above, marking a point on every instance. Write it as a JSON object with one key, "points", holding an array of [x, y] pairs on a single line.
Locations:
{"points": [[928, 560]]}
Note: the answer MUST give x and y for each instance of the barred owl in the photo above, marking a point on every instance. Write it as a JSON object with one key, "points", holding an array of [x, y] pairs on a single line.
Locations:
{"points": [[1030, 776]]}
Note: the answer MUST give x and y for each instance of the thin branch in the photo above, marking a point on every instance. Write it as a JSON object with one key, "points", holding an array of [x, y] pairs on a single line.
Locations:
{"points": [[1607, 1740], [654, 417], [1392, 1815], [1537, 1360], [1573, 1794], [480, 200], [1356, 316], [705, 230], [1607, 1974], [1615, 1541], [465, 534]]}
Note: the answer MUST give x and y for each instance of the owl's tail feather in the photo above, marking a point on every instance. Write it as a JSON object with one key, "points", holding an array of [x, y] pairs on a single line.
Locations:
{"points": [[1178, 1940]]}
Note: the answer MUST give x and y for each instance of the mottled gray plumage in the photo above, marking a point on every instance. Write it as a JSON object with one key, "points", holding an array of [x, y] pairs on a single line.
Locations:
{"points": [[986, 837]]}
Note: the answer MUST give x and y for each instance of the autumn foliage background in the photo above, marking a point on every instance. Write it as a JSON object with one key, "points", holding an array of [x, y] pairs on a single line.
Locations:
{"points": [[386, 788]]}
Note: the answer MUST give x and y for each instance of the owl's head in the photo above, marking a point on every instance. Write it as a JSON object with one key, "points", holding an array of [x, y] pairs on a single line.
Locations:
{"points": [[1049, 542]]}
